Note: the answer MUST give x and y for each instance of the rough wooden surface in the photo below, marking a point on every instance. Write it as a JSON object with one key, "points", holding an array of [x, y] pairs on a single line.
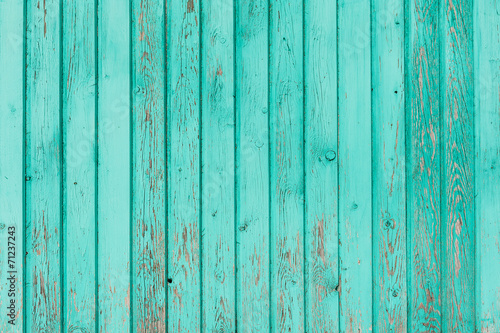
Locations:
{"points": [[148, 166], [423, 167], [355, 174], [43, 140], [79, 92], [250, 165], [389, 167], [487, 171], [184, 193], [12, 159]]}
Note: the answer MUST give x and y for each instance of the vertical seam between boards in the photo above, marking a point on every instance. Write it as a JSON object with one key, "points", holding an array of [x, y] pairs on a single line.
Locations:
{"points": [[62, 192], [96, 171]]}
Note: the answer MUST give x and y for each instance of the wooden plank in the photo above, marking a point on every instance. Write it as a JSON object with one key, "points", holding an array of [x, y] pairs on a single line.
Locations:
{"points": [[79, 187], [388, 169], [424, 167], [321, 167], [458, 166], [43, 167], [487, 153], [252, 161], [287, 165], [149, 166], [114, 167], [218, 146], [355, 197], [184, 174], [11, 164]]}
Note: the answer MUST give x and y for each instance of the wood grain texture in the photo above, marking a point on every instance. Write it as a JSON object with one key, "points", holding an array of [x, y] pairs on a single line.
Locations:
{"points": [[79, 187], [11, 161], [388, 168], [355, 178], [218, 175], [458, 226], [487, 154], [321, 167], [114, 161], [424, 150], [184, 192], [252, 163], [43, 167], [148, 166], [287, 166]]}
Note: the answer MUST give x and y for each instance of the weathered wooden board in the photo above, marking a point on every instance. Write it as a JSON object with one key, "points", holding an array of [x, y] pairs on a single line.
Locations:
{"points": [[218, 269], [44, 173], [184, 167], [148, 166], [487, 171], [79, 93], [355, 174], [11, 164], [389, 167], [114, 168], [321, 224], [423, 144], [250, 165]]}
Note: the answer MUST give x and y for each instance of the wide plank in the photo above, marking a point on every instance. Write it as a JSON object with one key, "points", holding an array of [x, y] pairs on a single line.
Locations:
{"points": [[218, 174], [184, 171], [252, 163], [321, 167], [114, 165], [44, 174], [148, 75], [11, 164], [355, 164], [79, 90]]}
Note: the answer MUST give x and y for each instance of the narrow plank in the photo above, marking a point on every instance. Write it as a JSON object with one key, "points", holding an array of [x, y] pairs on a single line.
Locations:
{"points": [[79, 188], [114, 159], [218, 146], [287, 165], [184, 174], [43, 167], [11, 164], [355, 194], [487, 153], [252, 161], [321, 167], [423, 133], [458, 167], [149, 164], [389, 190]]}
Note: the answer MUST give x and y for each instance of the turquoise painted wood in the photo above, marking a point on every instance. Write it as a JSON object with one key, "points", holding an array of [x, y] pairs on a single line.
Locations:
{"points": [[249, 166], [354, 139]]}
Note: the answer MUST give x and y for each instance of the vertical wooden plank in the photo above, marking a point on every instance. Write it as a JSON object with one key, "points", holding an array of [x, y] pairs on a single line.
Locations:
{"points": [[79, 101], [11, 165], [487, 143], [114, 166], [43, 167], [458, 198], [321, 166], [424, 167], [149, 158], [355, 194], [252, 161], [287, 165], [218, 146], [184, 194], [389, 204]]}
